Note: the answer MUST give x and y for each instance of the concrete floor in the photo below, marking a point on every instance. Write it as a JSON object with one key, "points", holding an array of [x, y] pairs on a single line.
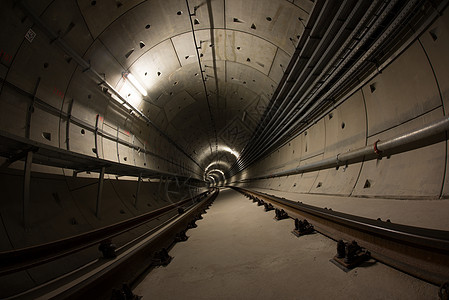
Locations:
{"points": [[240, 252]]}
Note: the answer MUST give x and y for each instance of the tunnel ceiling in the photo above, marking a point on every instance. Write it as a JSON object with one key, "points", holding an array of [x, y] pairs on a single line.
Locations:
{"points": [[228, 80], [209, 109]]}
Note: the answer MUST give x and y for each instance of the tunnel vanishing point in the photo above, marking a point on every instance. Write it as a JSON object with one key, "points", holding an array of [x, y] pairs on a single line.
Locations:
{"points": [[122, 117]]}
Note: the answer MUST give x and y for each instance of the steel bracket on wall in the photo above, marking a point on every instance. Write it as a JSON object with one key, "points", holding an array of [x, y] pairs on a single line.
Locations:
{"points": [[139, 180], [30, 109], [99, 192], [18, 156], [26, 188]]}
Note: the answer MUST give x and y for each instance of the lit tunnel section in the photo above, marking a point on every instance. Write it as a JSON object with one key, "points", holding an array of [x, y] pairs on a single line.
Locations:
{"points": [[119, 121]]}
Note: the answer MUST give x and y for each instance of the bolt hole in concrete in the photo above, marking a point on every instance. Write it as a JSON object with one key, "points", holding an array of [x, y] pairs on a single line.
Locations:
{"points": [[367, 184], [433, 34], [179, 13], [46, 65], [343, 125], [239, 252], [46, 135], [83, 131], [147, 26], [128, 54], [269, 19]]}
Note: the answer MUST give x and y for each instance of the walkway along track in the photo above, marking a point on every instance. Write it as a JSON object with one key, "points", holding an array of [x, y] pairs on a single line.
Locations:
{"points": [[420, 252]]}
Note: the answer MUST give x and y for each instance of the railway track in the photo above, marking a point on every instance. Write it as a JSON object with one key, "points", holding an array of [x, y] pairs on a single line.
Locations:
{"points": [[99, 278], [420, 252]]}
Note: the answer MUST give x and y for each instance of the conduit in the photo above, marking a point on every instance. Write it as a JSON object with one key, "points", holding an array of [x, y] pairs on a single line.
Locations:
{"points": [[375, 150]]}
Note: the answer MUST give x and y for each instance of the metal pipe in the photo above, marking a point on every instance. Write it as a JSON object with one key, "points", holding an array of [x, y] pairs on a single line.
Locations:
{"points": [[371, 151]]}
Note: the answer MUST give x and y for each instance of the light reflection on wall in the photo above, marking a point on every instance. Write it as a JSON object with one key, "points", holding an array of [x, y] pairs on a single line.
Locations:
{"points": [[130, 93]]}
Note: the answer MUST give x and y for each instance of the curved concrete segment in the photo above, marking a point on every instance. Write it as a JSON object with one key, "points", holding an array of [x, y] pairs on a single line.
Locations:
{"points": [[111, 109]]}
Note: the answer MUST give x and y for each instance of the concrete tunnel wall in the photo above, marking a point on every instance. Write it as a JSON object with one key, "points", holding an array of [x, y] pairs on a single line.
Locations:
{"points": [[60, 204], [411, 92], [42, 70], [63, 206]]}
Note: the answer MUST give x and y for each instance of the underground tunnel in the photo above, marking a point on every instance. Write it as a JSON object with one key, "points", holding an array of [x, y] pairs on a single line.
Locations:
{"points": [[224, 149]]}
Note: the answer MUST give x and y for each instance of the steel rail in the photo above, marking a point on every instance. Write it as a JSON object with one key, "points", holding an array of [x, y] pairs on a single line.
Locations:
{"points": [[25, 258], [97, 279], [420, 252]]}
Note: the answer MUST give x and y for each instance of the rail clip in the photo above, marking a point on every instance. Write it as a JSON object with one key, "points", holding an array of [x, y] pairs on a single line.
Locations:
{"points": [[349, 255]]}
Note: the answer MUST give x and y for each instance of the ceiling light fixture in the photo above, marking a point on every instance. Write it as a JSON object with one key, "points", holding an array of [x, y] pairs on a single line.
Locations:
{"points": [[135, 83], [218, 171], [233, 152]]}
